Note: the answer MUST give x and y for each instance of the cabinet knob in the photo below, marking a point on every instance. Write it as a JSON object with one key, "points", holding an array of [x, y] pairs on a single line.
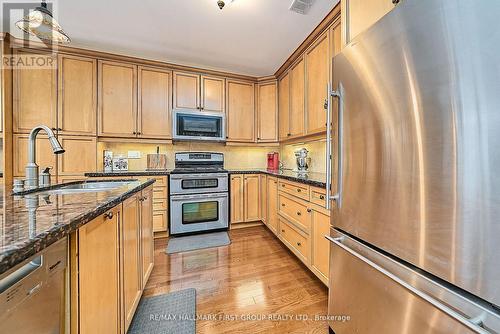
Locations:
{"points": [[134, 133], [288, 134], [298, 190], [395, 2], [321, 197], [282, 204], [283, 185], [299, 244], [299, 213], [108, 215], [309, 210], [282, 231]]}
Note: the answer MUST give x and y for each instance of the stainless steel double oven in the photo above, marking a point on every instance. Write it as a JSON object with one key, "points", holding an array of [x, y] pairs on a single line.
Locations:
{"points": [[198, 193]]}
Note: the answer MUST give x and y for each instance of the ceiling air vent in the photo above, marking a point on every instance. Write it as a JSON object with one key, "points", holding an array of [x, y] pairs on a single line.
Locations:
{"points": [[301, 6]]}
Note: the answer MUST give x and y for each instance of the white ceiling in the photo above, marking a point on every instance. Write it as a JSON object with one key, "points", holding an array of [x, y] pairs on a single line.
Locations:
{"points": [[252, 37]]}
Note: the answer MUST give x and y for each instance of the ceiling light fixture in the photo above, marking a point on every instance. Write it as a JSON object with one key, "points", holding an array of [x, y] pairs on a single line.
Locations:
{"points": [[40, 23], [222, 3]]}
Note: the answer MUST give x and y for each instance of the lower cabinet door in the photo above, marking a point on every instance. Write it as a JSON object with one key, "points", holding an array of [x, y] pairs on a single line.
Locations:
{"points": [[147, 246], [99, 283], [321, 246], [131, 262], [236, 199], [251, 196], [272, 204]]}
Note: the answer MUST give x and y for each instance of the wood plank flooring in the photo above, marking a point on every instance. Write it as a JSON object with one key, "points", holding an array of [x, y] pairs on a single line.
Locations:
{"points": [[244, 284]]}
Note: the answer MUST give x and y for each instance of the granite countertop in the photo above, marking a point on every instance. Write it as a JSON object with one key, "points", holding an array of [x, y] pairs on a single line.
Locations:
{"points": [[34, 221], [152, 172], [310, 178]]}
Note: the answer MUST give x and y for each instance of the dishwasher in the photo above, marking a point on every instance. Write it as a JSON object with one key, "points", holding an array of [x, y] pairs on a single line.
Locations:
{"points": [[32, 293]]}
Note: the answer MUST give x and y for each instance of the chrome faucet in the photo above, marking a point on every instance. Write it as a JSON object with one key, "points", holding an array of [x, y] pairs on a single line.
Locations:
{"points": [[31, 166]]}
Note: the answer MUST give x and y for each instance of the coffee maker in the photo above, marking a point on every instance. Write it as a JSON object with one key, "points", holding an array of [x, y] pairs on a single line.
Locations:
{"points": [[302, 160]]}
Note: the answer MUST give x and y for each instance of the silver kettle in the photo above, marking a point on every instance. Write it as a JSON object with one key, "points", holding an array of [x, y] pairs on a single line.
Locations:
{"points": [[302, 160]]}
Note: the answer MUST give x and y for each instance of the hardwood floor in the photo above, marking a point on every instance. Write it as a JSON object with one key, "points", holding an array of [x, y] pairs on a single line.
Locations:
{"points": [[255, 276]]}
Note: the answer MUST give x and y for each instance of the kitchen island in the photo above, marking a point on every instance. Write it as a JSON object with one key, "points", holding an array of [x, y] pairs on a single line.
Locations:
{"points": [[106, 230]]}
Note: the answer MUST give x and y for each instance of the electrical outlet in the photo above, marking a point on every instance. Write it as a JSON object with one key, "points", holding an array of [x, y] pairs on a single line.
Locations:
{"points": [[134, 154]]}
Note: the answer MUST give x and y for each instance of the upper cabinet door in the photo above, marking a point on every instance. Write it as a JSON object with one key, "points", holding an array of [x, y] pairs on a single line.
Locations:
{"points": [[186, 91], [284, 107], [317, 77], [77, 95], [213, 94], [117, 99], [154, 119], [240, 111], [297, 99], [35, 97], [359, 15], [267, 112]]}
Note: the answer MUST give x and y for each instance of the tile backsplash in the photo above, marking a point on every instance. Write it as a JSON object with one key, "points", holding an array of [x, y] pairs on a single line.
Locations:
{"points": [[236, 157]]}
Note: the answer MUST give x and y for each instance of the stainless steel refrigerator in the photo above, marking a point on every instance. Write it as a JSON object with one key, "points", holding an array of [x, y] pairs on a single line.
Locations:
{"points": [[415, 238]]}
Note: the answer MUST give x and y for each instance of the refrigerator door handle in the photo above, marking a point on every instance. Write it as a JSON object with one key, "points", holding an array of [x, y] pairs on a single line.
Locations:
{"points": [[328, 158], [471, 323], [338, 196]]}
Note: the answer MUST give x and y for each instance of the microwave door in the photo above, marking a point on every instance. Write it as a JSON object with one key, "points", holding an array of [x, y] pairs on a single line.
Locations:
{"points": [[189, 125]]}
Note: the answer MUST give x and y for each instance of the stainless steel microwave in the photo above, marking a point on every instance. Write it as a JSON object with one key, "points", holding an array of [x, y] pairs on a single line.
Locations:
{"points": [[198, 125]]}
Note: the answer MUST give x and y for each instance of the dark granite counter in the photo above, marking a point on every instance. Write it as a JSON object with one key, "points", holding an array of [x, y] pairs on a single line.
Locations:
{"points": [[34, 221], [130, 173], [310, 178]]}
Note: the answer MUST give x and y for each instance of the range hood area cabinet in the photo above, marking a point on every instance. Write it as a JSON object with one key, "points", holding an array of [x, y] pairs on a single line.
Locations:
{"points": [[134, 101], [199, 92], [240, 120]]}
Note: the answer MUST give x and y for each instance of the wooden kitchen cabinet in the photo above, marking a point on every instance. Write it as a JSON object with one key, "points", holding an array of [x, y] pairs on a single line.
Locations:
{"points": [[359, 15], [35, 96], [267, 112], [263, 198], [130, 259], [44, 155], [117, 96], [284, 107], [199, 92], [297, 99], [186, 91], [251, 194], [98, 299], [317, 59], [147, 247], [213, 94], [272, 204], [154, 114], [236, 190], [320, 245], [240, 111], [77, 95], [80, 156]]}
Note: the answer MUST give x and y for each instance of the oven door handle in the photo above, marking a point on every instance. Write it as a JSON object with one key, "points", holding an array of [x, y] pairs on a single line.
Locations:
{"points": [[197, 176], [198, 196]]}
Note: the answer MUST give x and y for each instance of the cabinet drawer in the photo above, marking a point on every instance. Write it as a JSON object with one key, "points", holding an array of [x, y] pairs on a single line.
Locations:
{"points": [[318, 196], [297, 242], [295, 189], [295, 210], [159, 193], [160, 204], [159, 221]]}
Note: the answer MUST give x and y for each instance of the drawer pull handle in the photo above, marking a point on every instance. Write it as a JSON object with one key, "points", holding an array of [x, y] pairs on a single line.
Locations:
{"points": [[108, 215], [283, 185], [298, 190], [282, 204], [299, 213], [321, 197], [299, 244]]}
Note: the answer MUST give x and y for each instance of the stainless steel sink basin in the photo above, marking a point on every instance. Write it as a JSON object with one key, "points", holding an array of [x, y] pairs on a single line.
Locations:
{"points": [[86, 187]]}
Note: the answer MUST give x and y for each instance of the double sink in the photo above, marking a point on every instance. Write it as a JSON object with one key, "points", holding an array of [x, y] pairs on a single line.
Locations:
{"points": [[85, 187]]}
